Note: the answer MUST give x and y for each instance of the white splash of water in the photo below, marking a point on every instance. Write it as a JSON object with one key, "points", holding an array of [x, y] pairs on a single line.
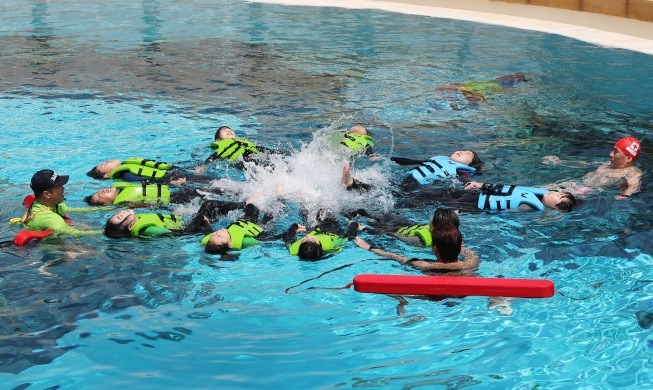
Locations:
{"points": [[312, 177]]}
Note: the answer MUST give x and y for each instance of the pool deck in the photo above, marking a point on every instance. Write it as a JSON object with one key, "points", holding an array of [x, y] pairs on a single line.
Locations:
{"points": [[599, 29]]}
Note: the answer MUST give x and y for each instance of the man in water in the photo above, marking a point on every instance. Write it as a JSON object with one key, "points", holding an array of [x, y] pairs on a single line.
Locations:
{"points": [[621, 170], [48, 211]]}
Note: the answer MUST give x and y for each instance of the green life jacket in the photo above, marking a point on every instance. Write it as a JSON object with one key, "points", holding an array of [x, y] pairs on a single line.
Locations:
{"points": [[239, 230], [357, 142], [141, 167], [481, 87], [422, 231], [141, 193], [231, 148], [326, 240], [170, 222]]}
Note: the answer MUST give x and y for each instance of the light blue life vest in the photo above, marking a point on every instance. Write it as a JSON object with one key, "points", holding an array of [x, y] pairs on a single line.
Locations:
{"points": [[504, 197], [438, 167]]}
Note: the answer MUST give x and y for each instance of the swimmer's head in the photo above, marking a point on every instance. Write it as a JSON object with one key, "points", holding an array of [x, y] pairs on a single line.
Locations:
{"points": [[120, 225], [310, 248], [446, 242], [104, 197], [467, 157], [103, 170], [224, 132], [219, 243], [358, 129], [442, 214], [625, 152], [563, 201]]}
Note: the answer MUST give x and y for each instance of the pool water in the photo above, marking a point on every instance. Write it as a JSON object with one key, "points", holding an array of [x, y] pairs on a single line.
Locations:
{"points": [[87, 81]]}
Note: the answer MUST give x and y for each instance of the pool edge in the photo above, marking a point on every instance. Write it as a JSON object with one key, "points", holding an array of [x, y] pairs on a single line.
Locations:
{"points": [[612, 34]]}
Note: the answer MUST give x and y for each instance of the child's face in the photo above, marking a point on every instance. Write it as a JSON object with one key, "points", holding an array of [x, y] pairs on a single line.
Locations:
{"points": [[226, 133]]}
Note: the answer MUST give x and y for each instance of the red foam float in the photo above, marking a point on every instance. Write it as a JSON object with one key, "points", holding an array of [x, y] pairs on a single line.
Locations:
{"points": [[24, 237], [453, 285]]}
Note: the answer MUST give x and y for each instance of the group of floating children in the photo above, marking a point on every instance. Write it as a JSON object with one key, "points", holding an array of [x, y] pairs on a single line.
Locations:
{"points": [[141, 181]]}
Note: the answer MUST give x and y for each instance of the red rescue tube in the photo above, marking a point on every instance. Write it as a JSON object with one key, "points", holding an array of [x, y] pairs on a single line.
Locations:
{"points": [[453, 285], [24, 237]]}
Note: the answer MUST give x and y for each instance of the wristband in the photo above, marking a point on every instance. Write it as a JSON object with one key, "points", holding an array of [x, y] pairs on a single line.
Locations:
{"points": [[372, 247]]}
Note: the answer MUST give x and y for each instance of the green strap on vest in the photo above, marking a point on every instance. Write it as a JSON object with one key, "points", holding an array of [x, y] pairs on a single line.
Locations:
{"points": [[141, 193], [240, 229], [231, 148], [326, 240], [141, 167], [357, 142], [170, 222], [422, 231]]}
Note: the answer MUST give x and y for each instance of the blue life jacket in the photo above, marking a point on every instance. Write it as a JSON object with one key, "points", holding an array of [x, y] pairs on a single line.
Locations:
{"points": [[504, 197], [438, 167]]}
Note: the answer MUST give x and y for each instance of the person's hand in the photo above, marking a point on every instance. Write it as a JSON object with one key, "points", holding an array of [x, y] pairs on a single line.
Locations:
{"points": [[621, 197], [178, 182], [551, 160], [473, 184], [301, 228], [200, 169], [361, 227], [361, 243]]}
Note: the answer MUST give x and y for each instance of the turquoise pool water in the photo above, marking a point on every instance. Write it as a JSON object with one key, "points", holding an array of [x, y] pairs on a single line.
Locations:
{"points": [[83, 82]]}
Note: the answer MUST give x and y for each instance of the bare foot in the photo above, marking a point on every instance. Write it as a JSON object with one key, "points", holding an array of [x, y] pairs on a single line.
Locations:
{"points": [[347, 180]]}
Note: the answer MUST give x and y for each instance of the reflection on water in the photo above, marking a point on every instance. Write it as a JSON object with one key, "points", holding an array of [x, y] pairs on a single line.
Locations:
{"points": [[156, 77]]}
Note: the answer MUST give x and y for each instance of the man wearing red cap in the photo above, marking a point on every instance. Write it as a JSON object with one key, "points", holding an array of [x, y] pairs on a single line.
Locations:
{"points": [[47, 212], [621, 169]]}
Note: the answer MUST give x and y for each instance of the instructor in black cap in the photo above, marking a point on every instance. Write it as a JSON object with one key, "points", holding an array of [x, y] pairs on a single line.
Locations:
{"points": [[48, 212]]}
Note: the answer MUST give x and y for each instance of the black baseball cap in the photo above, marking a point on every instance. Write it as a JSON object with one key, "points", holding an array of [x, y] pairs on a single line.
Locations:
{"points": [[45, 179]]}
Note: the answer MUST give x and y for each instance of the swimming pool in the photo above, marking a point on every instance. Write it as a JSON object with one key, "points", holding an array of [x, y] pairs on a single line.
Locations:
{"points": [[95, 80]]}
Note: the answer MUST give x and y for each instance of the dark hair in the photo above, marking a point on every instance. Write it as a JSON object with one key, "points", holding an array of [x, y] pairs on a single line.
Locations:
{"points": [[441, 214], [217, 133], [567, 202], [447, 238], [95, 174], [116, 230], [309, 250], [216, 249], [89, 200], [476, 161]]}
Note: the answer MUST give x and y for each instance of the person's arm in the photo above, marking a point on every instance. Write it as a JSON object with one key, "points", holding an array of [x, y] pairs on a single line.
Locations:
{"points": [[211, 158], [634, 180], [250, 213], [471, 258], [393, 256], [406, 161], [289, 236], [87, 209], [128, 176]]}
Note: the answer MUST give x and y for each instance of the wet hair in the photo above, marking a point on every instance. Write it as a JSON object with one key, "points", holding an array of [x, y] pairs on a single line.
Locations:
{"points": [[89, 200], [447, 238], [117, 230], [476, 161], [216, 249], [567, 203], [310, 250], [217, 133], [95, 174], [442, 214]]}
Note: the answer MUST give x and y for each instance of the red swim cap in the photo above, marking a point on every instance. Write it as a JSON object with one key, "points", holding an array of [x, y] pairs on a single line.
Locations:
{"points": [[630, 146]]}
